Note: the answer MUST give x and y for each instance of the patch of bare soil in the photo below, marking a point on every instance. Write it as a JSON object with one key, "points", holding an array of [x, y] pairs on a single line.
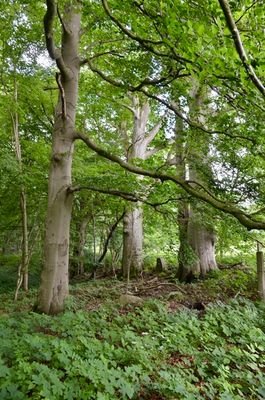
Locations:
{"points": [[93, 294]]}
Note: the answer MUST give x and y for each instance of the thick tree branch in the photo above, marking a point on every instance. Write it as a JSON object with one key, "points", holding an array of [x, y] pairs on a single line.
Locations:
{"points": [[229, 208], [152, 134], [240, 47], [151, 152], [48, 28], [54, 52], [117, 83]]}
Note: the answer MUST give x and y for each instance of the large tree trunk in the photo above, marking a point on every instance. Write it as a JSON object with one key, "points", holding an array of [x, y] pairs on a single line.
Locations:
{"points": [[197, 240], [132, 256], [54, 278], [197, 247], [202, 240]]}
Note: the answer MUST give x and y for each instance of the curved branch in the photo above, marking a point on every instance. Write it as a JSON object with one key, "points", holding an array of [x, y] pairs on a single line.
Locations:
{"points": [[110, 234], [48, 28], [113, 192], [146, 43], [97, 55], [125, 30], [48, 21], [240, 47], [104, 76], [170, 106], [144, 82], [132, 197], [246, 10], [228, 208]]}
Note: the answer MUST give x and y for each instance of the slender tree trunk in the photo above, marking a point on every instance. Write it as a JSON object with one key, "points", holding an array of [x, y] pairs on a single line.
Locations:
{"points": [[25, 243], [81, 244], [77, 266], [23, 268], [54, 279]]}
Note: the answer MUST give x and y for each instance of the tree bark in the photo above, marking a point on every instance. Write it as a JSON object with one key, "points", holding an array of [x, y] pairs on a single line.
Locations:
{"points": [[54, 279], [197, 249], [132, 256], [78, 267], [197, 240], [23, 267]]}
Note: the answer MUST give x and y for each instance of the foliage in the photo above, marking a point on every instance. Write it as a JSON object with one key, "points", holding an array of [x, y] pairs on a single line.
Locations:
{"points": [[232, 282], [135, 353]]}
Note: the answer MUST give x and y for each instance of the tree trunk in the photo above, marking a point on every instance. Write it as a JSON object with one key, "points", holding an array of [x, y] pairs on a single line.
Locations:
{"points": [[197, 240], [54, 278], [82, 239], [197, 248], [25, 242], [23, 268], [132, 257]]}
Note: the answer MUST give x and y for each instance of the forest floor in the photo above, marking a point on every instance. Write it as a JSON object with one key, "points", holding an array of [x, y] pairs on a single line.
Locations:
{"points": [[87, 294], [222, 286], [151, 339]]}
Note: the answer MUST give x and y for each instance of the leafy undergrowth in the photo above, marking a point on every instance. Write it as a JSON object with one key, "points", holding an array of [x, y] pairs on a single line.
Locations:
{"points": [[100, 350]]}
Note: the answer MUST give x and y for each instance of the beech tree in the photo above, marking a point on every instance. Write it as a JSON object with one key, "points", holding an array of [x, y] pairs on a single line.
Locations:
{"points": [[137, 148], [54, 278], [196, 231]]}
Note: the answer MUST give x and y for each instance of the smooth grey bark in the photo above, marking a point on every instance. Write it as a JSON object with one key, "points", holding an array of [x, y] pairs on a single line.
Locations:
{"points": [[197, 240], [197, 249], [54, 278], [132, 256]]}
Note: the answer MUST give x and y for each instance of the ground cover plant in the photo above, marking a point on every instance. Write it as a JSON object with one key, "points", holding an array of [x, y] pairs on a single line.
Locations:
{"points": [[162, 349]]}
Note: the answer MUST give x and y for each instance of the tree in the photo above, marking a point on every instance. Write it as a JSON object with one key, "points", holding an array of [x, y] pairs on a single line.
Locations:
{"points": [[137, 148], [197, 235], [54, 278]]}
